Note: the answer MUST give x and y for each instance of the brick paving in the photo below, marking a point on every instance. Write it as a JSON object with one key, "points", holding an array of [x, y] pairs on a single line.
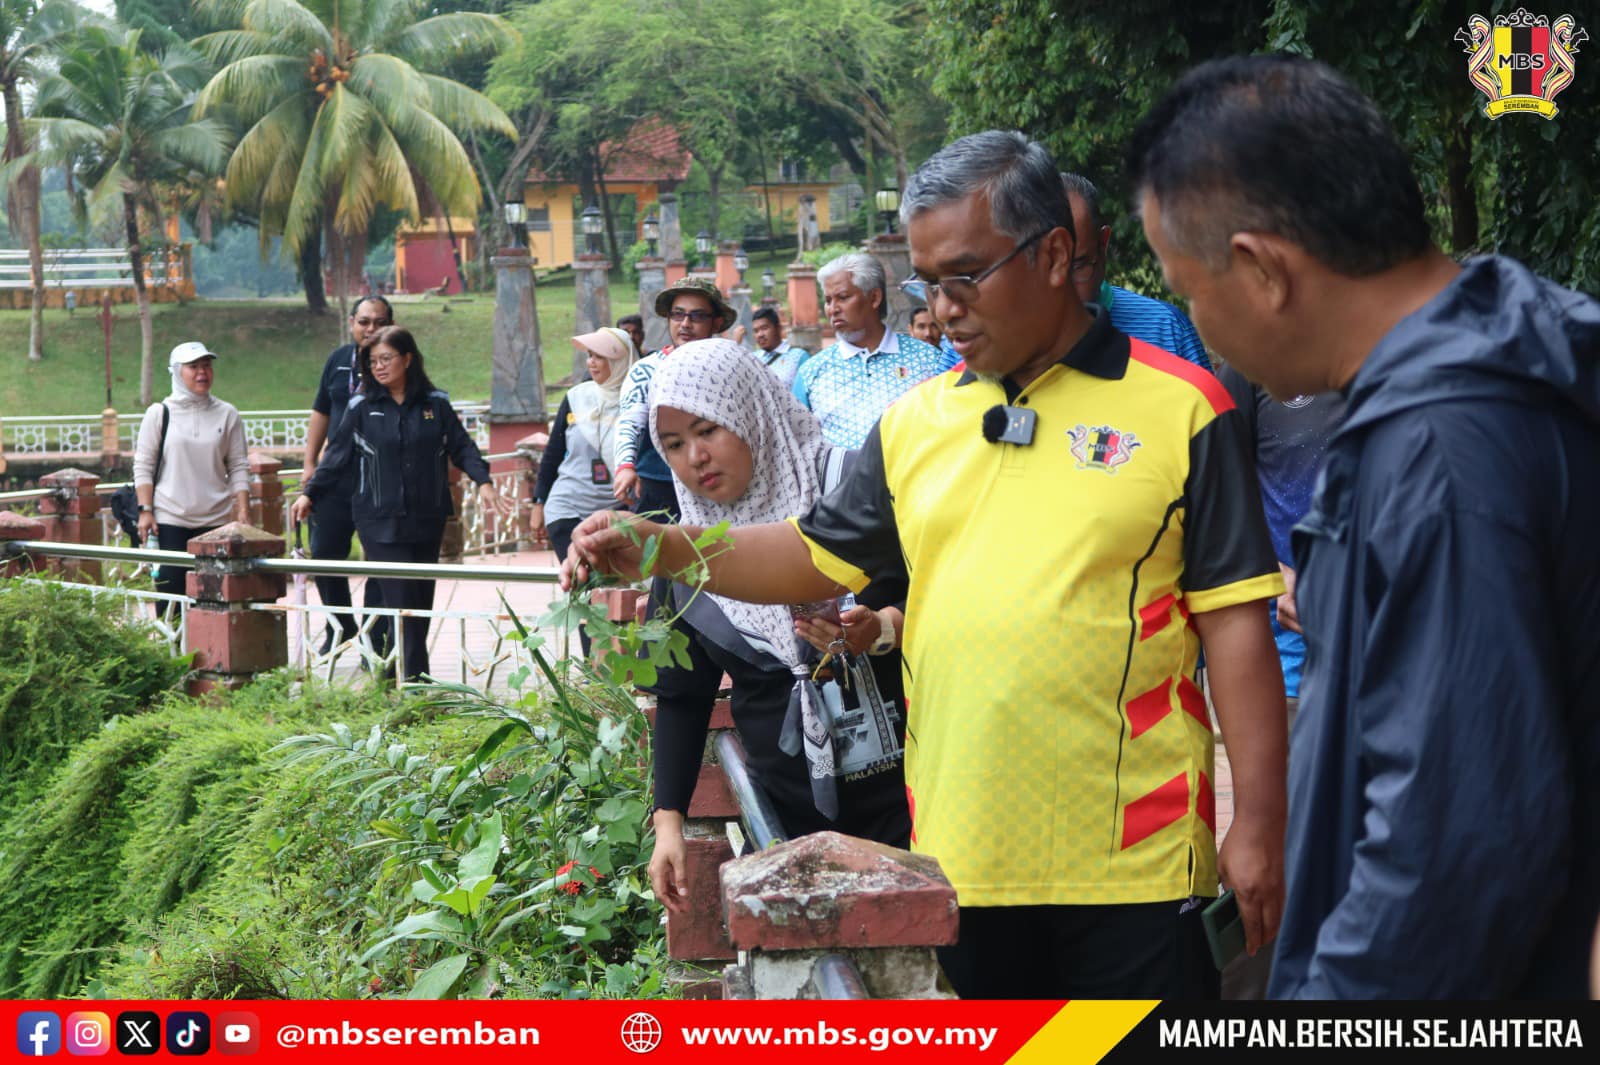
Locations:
{"points": [[454, 643]]}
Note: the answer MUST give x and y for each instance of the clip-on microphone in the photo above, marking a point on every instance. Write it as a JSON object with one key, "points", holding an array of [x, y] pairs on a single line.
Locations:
{"points": [[1009, 425]]}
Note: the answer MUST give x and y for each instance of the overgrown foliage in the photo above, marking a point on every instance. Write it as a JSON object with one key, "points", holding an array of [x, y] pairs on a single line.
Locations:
{"points": [[146, 811], [67, 669]]}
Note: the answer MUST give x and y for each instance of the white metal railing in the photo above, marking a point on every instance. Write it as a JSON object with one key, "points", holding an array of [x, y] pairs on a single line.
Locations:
{"points": [[480, 648], [163, 614], [482, 534], [73, 435], [92, 268]]}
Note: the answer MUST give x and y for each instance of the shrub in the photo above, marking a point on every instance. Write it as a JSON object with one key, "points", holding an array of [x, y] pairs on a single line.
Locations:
{"points": [[69, 666], [143, 814]]}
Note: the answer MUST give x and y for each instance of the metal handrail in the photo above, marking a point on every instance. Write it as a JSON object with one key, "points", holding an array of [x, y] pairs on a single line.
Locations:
{"points": [[26, 494], [421, 571], [310, 566], [835, 976], [756, 811], [96, 551]]}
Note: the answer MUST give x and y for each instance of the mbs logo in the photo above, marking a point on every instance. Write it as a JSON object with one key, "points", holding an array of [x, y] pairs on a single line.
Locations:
{"points": [[1521, 62]]}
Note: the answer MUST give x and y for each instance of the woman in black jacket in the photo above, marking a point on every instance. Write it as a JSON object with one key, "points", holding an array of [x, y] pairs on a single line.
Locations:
{"points": [[399, 432]]}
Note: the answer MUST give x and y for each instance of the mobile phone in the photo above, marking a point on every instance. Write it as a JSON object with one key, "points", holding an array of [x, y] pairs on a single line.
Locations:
{"points": [[1224, 929], [822, 609]]}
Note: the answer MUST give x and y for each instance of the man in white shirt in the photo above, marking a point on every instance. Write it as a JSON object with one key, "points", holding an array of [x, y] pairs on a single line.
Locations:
{"points": [[851, 382]]}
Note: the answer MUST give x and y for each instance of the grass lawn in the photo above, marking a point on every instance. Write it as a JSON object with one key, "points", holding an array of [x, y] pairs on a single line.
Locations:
{"points": [[271, 351]]}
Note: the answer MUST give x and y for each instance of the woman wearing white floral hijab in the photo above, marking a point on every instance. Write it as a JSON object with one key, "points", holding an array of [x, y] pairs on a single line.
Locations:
{"points": [[828, 754]]}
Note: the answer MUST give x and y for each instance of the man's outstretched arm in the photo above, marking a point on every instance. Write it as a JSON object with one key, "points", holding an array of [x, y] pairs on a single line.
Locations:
{"points": [[758, 563]]}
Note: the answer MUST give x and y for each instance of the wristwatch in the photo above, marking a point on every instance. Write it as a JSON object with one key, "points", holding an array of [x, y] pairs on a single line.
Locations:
{"points": [[145, 508], [886, 639]]}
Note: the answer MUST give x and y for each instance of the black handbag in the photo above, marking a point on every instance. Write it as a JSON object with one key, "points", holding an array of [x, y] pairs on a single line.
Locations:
{"points": [[125, 500]]}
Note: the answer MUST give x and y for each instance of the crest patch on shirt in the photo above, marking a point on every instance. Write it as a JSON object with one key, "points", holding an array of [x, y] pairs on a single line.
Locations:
{"points": [[1101, 447], [427, 415]]}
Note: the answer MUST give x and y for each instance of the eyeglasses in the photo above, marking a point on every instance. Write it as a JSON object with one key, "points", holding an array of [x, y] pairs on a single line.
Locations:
{"points": [[962, 288], [368, 323], [1082, 267], [678, 314], [384, 360]]}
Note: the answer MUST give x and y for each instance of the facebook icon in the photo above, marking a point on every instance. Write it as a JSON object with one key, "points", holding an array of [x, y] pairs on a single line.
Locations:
{"points": [[38, 1034]]}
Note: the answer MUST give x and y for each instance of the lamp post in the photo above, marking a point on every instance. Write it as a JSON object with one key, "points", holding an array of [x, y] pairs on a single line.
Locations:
{"points": [[702, 246], [768, 282], [516, 215], [888, 203], [593, 225], [741, 263], [652, 231]]}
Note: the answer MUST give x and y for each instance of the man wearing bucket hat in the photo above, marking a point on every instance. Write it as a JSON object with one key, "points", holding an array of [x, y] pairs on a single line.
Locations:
{"points": [[191, 470], [694, 310]]}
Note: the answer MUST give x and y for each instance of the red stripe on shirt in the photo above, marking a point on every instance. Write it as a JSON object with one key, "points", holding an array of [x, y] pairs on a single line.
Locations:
{"points": [[1149, 814], [1192, 700], [1146, 711], [1205, 804], [1154, 617], [1166, 362]]}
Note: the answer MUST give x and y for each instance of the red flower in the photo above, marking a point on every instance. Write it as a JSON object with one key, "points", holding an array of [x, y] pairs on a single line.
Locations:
{"points": [[572, 887]]}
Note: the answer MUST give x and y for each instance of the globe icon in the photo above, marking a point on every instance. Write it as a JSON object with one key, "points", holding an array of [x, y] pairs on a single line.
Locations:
{"points": [[641, 1033]]}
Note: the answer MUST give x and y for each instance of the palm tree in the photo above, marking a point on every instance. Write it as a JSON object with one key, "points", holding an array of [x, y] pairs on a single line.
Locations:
{"points": [[29, 32], [120, 119], [339, 117]]}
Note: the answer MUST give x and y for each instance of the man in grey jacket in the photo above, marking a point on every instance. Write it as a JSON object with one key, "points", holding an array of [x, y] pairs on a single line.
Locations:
{"points": [[1444, 823]]}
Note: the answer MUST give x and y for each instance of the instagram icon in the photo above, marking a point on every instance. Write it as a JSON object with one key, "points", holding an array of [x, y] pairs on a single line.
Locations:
{"points": [[88, 1034]]}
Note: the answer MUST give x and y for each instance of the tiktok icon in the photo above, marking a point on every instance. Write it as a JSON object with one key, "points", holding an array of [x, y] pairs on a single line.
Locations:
{"points": [[188, 1033]]}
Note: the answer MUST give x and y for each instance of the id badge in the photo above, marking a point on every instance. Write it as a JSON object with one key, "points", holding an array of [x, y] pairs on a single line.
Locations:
{"points": [[862, 723], [598, 472]]}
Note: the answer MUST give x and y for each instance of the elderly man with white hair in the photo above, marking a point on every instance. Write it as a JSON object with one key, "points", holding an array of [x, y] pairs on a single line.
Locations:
{"points": [[851, 382]]}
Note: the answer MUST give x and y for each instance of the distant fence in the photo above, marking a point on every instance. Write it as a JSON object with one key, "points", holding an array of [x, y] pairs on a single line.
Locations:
{"points": [[93, 272], [102, 439]]}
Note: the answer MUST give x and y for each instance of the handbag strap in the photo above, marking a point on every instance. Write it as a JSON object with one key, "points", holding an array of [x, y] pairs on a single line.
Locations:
{"points": [[161, 447]]}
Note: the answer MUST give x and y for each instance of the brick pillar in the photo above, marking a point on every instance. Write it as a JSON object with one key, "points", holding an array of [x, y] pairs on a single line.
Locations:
{"points": [[232, 643], [885, 909], [110, 443], [14, 526], [804, 308], [892, 251], [71, 515], [699, 934], [727, 276], [266, 493]]}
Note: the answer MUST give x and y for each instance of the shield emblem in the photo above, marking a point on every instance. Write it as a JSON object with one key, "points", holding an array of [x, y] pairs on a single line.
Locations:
{"points": [[1522, 59], [1521, 62]]}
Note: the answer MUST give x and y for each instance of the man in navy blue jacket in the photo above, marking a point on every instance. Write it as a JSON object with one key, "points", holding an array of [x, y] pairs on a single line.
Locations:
{"points": [[1444, 815]]}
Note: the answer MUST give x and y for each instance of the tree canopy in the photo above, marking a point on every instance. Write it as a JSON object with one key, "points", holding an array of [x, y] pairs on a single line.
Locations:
{"points": [[1079, 80], [340, 114]]}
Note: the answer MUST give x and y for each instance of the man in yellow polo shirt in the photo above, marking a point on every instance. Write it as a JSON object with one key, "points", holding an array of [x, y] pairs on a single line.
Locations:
{"points": [[1076, 515]]}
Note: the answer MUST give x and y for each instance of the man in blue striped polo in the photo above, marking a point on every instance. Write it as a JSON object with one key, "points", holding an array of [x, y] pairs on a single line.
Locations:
{"points": [[1151, 320]]}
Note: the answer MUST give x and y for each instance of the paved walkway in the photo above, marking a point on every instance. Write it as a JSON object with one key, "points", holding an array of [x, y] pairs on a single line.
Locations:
{"points": [[470, 650]]}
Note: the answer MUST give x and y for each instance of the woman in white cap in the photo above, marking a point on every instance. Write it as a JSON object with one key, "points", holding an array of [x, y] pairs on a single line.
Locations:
{"points": [[191, 470], [579, 464]]}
